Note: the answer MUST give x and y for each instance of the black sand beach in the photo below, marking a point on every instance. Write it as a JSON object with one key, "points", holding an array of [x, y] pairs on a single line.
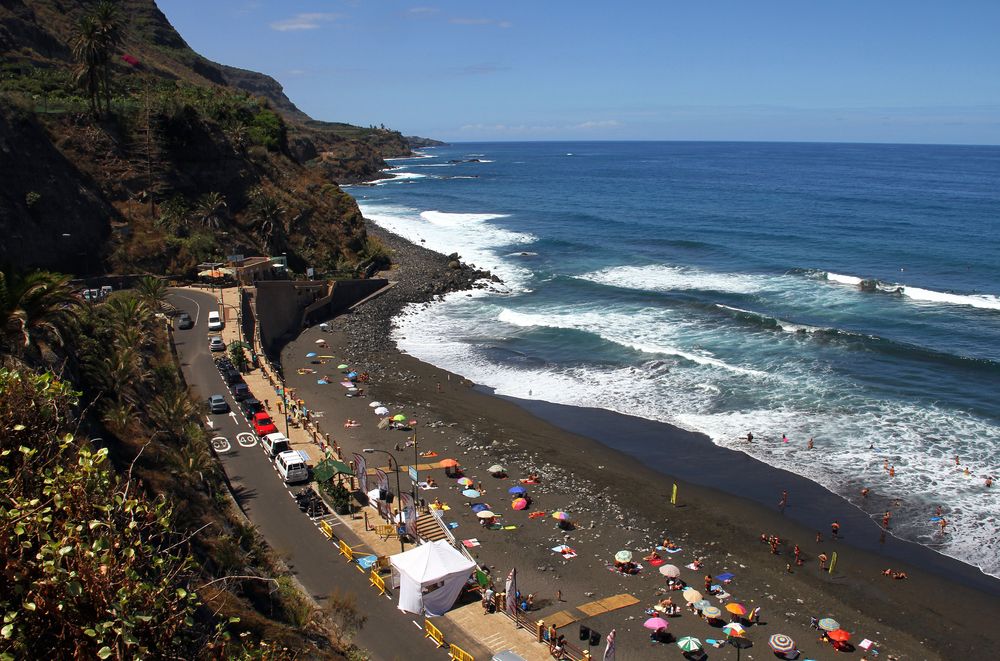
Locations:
{"points": [[614, 475]]}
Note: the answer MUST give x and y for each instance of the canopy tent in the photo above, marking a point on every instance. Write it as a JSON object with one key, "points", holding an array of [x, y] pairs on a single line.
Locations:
{"points": [[431, 576], [327, 469]]}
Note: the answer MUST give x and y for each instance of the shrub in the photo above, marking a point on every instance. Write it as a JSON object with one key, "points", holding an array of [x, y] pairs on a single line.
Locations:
{"points": [[268, 130]]}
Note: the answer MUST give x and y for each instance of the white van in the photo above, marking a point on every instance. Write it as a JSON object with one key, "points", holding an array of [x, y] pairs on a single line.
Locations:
{"points": [[292, 466], [275, 443], [214, 321]]}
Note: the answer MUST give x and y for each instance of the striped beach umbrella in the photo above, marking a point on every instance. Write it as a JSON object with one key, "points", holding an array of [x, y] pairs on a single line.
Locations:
{"points": [[711, 612], [689, 644], [560, 516], [702, 604], [734, 629], [670, 571], [781, 643], [691, 595], [829, 624], [623, 556], [464, 481], [519, 503]]}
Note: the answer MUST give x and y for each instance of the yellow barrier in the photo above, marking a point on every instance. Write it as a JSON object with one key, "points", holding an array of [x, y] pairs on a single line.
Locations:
{"points": [[346, 550], [326, 529], [431, 631], [378, 582], [458, 654]]}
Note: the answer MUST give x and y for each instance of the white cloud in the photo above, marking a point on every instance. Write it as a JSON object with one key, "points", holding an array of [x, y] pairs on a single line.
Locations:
{"points": [[308, 21], [601, 124]]}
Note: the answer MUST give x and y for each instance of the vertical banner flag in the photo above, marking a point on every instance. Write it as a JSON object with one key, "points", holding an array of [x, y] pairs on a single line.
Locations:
{"points": [[511, 588], [609, 651], [361, 468], [383, 479], [673, 495], [409, 506]]}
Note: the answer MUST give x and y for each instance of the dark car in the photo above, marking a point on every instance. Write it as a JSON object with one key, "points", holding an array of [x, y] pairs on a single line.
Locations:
{"points": [[241, 391], [218, 404], [231, 376], [184, 321], [250, 406]]}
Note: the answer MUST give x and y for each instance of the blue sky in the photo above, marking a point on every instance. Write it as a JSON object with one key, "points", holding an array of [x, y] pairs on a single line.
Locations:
{"points": [[815, 70]]}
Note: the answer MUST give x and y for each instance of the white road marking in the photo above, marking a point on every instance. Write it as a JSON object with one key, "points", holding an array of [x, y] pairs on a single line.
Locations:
{"points": [[221, 444], [232, 414], [246, 439], [197, 307]]}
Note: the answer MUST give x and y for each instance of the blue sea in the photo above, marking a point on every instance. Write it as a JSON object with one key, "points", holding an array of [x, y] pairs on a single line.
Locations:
{"points": [[717, 287]]}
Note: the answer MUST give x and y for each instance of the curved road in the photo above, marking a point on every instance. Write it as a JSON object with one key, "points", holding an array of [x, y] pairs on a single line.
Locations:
{"points": [[389, 633]]}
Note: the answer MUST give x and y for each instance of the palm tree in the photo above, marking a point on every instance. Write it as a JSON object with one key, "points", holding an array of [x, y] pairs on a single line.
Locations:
{"points": [[128, 311], [267, 214], [36, 311], [152, 292], [109, 34], [119, 369], [87, 52], [172, 411], [210, 209]]}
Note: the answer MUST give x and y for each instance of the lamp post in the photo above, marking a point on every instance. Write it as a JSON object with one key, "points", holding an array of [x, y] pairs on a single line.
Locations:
{"points": [[392, 462]]}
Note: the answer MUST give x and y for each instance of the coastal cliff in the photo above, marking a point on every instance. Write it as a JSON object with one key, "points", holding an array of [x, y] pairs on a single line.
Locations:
{"points": [[182, 160]]}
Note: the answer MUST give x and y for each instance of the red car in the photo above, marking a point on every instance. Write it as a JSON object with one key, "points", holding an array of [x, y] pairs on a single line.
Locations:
{"points": [[262, 424]]}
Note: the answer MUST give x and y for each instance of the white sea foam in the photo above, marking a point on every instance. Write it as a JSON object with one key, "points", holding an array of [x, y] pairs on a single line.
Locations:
{"points": [[675, 387], [471, 235], [656, 277], [984, 301], [843, 279]]}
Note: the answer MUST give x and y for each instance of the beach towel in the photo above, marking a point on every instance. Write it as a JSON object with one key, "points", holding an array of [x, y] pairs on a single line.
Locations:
{"points": [[725, 578], [469, 543], [564, 551], [425, 486], [657, 562], [673, 550], [721, 595], [638, 570], [692, 567], [452, 525], [306, 370], [536, 515], [441, 507], [428, 454]]}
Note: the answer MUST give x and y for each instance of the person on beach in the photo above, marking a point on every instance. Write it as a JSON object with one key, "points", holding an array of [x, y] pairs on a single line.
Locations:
{"points": [[885, 465], [810, 445], [835, 529], [489, 605], [819, 537], [749, 437], [774, 546], [822, 561], [885, 519], [892, 471], [708, 583], [798, 553], [431, 483], [938, 511], [943, 522], [653, 555], [697, 564], [783, 501], [865, 491], [784, 438], [989, 481]]}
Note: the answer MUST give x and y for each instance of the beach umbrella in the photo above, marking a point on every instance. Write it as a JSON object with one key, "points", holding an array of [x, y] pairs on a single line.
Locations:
{"points": [[702, 604], [711, 612], [352, 375], [623, 556], [485, 514], [656, 623], [464, 481], [322, 382], [829, 624], [342, 366], [479, 507], [839, 635], [447, 463], [412, 423], [399, 417], [781, 643], [734, 629], [519, 503], [670, 571], [517, 490], [496, 468], [737, 609], [689, 644], [381, 410], [691, 595], [560, 516], [320, 341], [470, 493], [311, 354], [375, 405]]}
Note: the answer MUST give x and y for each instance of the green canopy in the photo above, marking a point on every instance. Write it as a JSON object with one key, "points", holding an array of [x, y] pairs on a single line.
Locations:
{"points": [[327, 469]]}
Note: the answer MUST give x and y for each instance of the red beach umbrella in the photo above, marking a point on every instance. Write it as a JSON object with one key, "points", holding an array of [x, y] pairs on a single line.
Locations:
{"points": [[839, 635]]}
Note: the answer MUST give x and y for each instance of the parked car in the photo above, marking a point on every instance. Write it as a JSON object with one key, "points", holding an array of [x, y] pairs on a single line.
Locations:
{"points": [[275, 444], [250, 406], [262, 424], [218, 404], [215, 343], [231, 376], [291, 466], [184, 321], [214, 321], [241, 391]]}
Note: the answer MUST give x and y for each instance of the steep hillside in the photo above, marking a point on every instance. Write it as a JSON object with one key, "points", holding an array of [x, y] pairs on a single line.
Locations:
{"points": [[180, 161]]}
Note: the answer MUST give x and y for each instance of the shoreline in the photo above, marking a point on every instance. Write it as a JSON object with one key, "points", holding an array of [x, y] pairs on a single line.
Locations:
{"points": [[609, 491]]}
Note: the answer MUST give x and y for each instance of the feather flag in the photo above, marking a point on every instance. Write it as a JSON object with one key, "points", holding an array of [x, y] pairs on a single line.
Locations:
{"points": [[609, 651], [511, 587]]}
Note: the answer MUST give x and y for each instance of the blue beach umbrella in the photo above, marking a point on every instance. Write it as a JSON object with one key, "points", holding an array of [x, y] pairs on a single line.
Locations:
{"points": [[479, 507], [311, 354], [352, 375], [470, 493], [517, 490], [322, 382]]}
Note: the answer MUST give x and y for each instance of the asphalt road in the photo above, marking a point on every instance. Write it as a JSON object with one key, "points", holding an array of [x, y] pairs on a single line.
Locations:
{"points": [[267, 501]]}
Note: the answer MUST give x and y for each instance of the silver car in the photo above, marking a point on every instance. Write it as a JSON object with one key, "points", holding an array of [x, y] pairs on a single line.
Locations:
{"points": [[215, 343]]}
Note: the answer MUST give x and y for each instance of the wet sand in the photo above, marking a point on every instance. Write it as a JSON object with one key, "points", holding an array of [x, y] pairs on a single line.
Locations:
{"points": [[614, 474]]}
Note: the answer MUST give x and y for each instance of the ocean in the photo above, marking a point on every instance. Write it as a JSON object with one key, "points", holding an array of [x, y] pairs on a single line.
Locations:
{"points": [[844, 293]]}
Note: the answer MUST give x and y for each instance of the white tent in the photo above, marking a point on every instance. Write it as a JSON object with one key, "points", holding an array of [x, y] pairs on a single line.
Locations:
{"points": [[431, 576]]}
